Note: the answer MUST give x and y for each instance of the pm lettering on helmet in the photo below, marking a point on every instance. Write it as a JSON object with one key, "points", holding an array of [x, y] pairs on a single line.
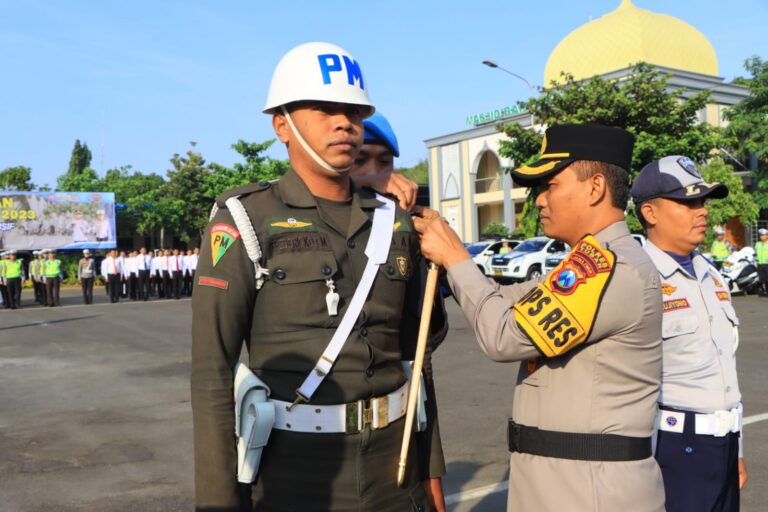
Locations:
{"points": [[331, 63]]}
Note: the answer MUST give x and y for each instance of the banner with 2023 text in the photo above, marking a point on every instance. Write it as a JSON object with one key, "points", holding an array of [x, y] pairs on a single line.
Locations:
{"points": [[57, 220]]}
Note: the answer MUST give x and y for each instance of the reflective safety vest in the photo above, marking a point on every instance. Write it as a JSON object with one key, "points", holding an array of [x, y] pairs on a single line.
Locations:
{"points": [[720, 250], [12, 269], [761, 252], [52, 268]]}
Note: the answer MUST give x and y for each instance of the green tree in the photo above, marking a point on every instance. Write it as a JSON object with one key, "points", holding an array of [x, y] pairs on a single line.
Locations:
{"points": [[140, 193], [663, 122], [85, 181], [495, 229], [748, 127], [80, 159], [257, 167], [738, 203], [16, 178], [184, 205], [419, 173]]}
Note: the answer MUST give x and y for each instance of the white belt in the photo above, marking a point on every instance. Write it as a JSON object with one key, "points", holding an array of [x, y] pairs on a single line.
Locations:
{"points": [[349, 418], [718, 424]]}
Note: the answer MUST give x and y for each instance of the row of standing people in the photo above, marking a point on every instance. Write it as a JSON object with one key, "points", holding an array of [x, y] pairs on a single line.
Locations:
{"points": [[44, 271], [142, 274], [137, 275]]}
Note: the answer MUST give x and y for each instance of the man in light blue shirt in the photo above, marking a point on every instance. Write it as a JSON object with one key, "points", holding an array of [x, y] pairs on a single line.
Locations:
{"points": [[698, 445]]}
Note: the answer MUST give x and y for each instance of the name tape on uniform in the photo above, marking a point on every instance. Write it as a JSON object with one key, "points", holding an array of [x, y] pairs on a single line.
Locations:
{"points": [[558, 314], [673, 304], [223, 236]]}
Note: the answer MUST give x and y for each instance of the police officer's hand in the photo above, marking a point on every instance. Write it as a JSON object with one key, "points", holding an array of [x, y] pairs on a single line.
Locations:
{"points": [[742, 473], [439, 243], [391, 183], [434, 489]]}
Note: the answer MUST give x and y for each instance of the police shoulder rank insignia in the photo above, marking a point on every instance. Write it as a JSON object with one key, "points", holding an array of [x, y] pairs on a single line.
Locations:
{"points": [[558, 314], [668, 289], [723, 296], [223, 236]]}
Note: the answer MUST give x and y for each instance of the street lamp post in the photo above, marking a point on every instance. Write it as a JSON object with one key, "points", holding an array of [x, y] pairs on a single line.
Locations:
{"points": [[493, 64]]}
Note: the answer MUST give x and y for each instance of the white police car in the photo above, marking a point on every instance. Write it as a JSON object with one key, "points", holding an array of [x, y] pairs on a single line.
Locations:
{"points": [[527, 261], [554, 260], [482, 252]]}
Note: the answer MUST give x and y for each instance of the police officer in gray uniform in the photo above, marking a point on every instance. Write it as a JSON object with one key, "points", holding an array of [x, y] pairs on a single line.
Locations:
{"points": [[590, 333], [698, 445]]}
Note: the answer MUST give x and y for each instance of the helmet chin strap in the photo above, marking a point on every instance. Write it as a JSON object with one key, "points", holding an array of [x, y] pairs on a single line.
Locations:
{"points": [[322, 163]]}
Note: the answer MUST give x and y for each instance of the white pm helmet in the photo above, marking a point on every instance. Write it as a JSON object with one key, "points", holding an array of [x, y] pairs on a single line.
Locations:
{"points": [[317, 72], [320, 72]]}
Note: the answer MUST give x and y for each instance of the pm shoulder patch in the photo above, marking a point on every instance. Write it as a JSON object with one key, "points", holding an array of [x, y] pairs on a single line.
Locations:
{"points": [[223, 236], [558, 314]]}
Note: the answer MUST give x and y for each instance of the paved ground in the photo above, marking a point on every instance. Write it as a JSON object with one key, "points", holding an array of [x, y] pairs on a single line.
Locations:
{"points": [[95, 416]]}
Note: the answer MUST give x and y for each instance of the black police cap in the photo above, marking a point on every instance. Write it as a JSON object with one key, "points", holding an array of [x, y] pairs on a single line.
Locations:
{"points": [[565, 143]]}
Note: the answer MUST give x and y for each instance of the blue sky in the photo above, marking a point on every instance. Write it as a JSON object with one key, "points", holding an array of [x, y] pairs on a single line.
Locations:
{"points": [[138, 80]]}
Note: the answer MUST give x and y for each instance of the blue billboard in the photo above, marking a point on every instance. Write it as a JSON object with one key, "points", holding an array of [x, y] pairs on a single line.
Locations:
{"points": [[57, 220]]}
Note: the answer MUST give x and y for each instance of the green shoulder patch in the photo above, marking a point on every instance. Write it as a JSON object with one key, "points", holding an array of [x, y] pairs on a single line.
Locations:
{"points": [[223, 236]]}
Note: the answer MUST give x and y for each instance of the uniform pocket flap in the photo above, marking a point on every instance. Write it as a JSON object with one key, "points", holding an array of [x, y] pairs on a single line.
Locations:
{"points": [[302, 267], [730, 313], [678, 326]]}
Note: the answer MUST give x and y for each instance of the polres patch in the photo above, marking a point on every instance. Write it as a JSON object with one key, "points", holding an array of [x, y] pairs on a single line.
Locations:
{"points": [[586, 261], [223, 236]]}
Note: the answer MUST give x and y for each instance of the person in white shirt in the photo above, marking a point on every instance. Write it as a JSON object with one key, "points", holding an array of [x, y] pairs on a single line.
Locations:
{"points": [[122, 265], [143, 267], [176, 271], [110, 268], [193, 259], [165, 266], [156, 275], [133, 274]]}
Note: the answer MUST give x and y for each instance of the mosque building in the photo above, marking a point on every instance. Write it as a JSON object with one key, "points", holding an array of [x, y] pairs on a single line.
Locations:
{"points": [[465, 182]]}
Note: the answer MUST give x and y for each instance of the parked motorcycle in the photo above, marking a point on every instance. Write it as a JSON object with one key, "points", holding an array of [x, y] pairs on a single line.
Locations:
{"points": [[740, 272]]}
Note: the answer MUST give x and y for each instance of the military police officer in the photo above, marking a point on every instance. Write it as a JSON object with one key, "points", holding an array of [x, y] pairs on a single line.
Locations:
{"points": [[700, 417], [286, 292], [585, 401]]}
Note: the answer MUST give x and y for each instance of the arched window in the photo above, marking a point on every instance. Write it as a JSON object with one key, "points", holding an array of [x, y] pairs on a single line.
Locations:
{"points": [[488, 178]]}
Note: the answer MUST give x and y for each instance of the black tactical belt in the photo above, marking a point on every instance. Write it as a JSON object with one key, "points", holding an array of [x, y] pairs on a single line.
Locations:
{"points": [[576, 446]]}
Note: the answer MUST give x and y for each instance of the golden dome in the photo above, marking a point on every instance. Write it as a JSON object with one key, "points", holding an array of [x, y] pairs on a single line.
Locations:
{"points": [[628, 35]]}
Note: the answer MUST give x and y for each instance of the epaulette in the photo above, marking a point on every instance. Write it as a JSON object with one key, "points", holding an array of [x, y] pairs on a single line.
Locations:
{"points": [[241, 191]]}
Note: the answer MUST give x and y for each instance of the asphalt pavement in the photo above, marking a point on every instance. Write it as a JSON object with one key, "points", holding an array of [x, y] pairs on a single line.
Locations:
{"points": [[95, 413]]}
